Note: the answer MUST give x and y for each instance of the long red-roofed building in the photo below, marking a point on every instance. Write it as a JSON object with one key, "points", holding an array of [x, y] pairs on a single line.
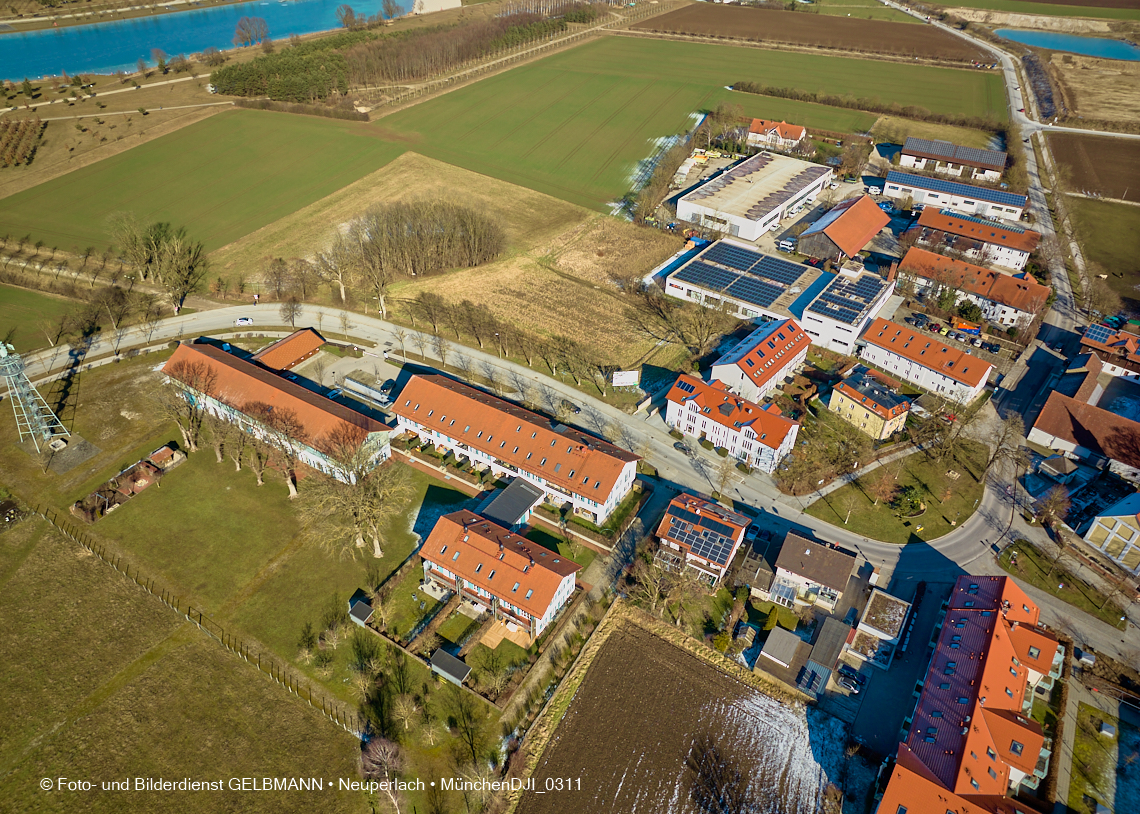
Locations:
{"points": [[287, 353], [946, 370], [247, 394], [568, 465], [970, 745], [516, 579], [1002, 244], [757, 364]]}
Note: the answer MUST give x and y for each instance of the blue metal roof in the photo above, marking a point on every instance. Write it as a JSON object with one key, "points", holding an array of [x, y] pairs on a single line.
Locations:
{"points": [[954, 188]]}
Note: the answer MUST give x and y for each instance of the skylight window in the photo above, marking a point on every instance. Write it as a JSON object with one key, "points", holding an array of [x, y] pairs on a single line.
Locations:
{"points": [[529, 593]]}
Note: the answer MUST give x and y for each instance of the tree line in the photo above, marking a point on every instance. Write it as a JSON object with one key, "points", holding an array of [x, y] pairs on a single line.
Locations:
{"points": [[161, 253], [303, 72]]}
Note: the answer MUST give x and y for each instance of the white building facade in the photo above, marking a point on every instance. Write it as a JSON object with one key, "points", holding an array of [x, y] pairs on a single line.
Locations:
{"points": [[952, 195], [947, 371]]}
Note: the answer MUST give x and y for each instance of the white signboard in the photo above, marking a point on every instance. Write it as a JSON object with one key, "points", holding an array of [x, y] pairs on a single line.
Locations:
{"points": [[627, 378]]}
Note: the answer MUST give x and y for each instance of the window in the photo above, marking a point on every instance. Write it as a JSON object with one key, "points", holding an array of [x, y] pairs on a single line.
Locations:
{"points": [[974, 783], [529, 593], [455, 557], [478, 568], [443, 550], [1009, 692], [491, 575], [542, 462], [963, 699], [515, 588], [993, 774], [945, 685], [1034, 652], [936, 714], [991, 754]]}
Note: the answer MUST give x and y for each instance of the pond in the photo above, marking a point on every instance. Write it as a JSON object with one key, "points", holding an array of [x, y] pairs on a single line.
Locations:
{"points": [[1087, 46], [118, 45]]}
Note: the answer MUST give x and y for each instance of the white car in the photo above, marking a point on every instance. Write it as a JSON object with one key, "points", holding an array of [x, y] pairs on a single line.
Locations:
{"points": [[240, 321]]}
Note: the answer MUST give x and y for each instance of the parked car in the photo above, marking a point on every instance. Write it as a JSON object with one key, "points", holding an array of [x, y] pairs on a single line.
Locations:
{"points": [[993, 347], [240, 321], [951, 334], [332, 394], [875, 190], [977, 343], [911, 321], [850, 672], [571, 406], [963, 338], [848, 684], [681, 446]]}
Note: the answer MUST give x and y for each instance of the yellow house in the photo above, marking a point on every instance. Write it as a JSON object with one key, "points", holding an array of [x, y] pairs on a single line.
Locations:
{"points": [[870, 401], [1117, 533]]}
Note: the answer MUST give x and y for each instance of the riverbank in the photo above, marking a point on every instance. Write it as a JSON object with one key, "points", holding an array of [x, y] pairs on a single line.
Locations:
{"points": [[107, 13]]}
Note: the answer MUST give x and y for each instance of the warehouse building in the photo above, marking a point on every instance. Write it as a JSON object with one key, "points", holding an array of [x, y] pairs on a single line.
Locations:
{"points": [[754, 196], [963, 198]]}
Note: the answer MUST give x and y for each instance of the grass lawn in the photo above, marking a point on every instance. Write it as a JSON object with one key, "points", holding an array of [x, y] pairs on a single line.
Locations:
{"points": [[1110, 237], [1099, 769], [895, 129], [22, 311], [555, 543], [456, 627], [221, 178], [574, 125], [1037, 570], [757, 614], [1050, 9], [946, 500]]}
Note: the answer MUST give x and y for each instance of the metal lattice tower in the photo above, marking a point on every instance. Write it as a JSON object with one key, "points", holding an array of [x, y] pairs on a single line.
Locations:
{"points": [[34, 419]]}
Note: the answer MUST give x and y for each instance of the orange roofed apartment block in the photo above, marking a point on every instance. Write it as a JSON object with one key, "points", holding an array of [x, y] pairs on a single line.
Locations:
{"points": [[569, 466], [701, 536], [517, 580], [969, 746]]}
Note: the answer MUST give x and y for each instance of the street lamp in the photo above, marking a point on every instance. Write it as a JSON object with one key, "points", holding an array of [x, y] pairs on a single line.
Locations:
{"points": [[500, 344]]}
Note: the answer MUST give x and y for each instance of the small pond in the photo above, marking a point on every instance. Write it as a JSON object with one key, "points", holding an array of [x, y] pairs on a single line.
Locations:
{"points": [[1087, 46]]}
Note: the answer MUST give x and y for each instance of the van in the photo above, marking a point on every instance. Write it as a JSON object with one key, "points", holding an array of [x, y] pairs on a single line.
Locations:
{"points": [[787, 245]]}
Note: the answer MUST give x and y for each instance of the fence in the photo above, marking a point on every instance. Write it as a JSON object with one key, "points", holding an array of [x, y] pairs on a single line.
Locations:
{"points": [[336, 712]]}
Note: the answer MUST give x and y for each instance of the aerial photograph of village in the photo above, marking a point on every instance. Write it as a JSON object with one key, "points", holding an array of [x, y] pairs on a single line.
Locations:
{"points": [[570, 406]]}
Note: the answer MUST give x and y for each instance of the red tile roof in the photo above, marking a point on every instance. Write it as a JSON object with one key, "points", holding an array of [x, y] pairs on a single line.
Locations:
{"points": [[683, 505], [1095, 429], [859, 220], [985, 232], [566, 458], [497, 560], [1121, 345], [730, 410], [240, 383], [951, 362], [767, 351], [285, 353], [1022, 293], [793, 132], [912, 790]]}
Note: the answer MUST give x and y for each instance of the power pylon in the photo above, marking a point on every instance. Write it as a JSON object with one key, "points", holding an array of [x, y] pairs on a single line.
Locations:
{"points": [[34, 419]]}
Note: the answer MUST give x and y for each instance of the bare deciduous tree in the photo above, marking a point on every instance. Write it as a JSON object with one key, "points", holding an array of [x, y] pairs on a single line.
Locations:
{"points": [[196, 379]]}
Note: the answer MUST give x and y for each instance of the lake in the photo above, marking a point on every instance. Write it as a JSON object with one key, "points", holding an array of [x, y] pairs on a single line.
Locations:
{"points": [[1087, 46], [112, 46]]}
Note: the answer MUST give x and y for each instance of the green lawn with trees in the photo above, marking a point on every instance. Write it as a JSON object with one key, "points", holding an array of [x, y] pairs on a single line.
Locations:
{"points": [[220, 179], [574, 125]]}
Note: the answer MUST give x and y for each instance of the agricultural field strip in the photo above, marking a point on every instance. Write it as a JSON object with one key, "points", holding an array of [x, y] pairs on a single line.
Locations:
{"points": [[1047, 9]]}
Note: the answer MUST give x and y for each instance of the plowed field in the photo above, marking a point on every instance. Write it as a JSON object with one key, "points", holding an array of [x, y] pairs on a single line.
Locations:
{"points": [[649, 723], [824, 31], [1099, 165]]}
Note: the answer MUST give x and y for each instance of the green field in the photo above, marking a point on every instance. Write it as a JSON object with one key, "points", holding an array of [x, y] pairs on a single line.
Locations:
{"points": [[22, 311], [575, 124], [221, 178], [876, 12], [1049, 9], [1110, 237]]}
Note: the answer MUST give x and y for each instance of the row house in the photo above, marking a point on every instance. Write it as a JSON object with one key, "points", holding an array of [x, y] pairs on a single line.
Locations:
{"points": [[757, 365], [949, 371], [569, 466], [1008, 245]]}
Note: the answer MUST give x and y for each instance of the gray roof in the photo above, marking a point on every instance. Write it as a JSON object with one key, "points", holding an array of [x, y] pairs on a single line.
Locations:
{"points": [[509, 506], [781, 646], [864, 381], [945, 151], [361, 611], [815, 561], [829, 642], [444, 662], [1059, 465]]}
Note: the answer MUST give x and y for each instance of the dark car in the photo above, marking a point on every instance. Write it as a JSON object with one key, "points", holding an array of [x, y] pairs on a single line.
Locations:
{"points": [[571, 406], [850, 672], [388, 387], [911, 321], [681, 447]]}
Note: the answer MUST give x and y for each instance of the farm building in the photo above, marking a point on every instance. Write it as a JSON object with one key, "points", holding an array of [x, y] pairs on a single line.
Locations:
{"points": [[952, 159], [952, 195], [287, 353], [267, 405], [753, 196], [570, 467], [810, 572], [1117, 351], [758, 363], [776, 135], [700, 535], [757, 436], [985, 241], [746, 283], [1116, 532], [515, 579], [992, 653], [844, 230], [870, 401], [1005, 299], [844, 307], [949, 371]]}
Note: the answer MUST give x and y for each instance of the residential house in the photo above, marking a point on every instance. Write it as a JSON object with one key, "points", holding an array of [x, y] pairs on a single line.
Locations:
{"points": [[775, 135], [755, 573], [1005, 299], [571, 467], [287, 353], [870, 401], [1116, 532], [700, 535], [844, 307], [971, 200], [880, 629], [1118, 351], [811, 572], [518, 581], [250, 396], [757, 365], [949, 371], [1059, 469], [952, 159], [757, 436], [1008, 245], [969, 744], [844, 230]]}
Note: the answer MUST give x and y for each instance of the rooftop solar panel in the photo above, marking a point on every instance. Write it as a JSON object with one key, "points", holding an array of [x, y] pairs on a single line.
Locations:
{"points": [[1098, 333], [706, 276], [954, 188], [754, 291], [848, 301], [733, 257]]}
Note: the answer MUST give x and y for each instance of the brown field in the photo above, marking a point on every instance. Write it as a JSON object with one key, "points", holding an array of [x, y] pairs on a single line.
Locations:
{"points": [[634, 721], [1100, 165], [1103, 89], [841, 33]]}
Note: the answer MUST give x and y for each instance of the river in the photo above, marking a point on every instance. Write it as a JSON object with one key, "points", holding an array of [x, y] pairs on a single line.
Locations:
{"points": [[1087, 46], [112, 46]]}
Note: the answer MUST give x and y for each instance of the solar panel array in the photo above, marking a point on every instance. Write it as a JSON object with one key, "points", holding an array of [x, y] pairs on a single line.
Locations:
{"points": [[712, 545], [688, 387], [1098, 333], [736, 284], [846, 300], [746, 260], [746, 275], [733, 257], [953, 188], [967, 155]]}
